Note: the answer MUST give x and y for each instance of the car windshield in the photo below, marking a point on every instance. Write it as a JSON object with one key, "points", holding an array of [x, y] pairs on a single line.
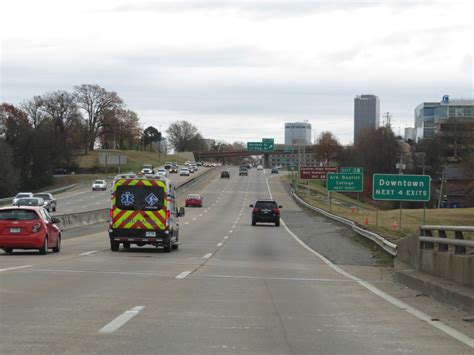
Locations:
{"points": [[43, 196], [266, 205], [18, 215], [99, 182]]}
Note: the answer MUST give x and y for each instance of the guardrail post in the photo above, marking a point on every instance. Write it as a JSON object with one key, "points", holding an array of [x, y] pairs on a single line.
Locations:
{"points": [[442, 247], [426, 233], [459, 249]]}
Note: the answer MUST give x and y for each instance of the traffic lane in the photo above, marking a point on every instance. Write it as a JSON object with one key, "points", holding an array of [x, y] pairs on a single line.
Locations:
{"points": [[261, 313], [95, 270], [196, 229], [85, 199]]}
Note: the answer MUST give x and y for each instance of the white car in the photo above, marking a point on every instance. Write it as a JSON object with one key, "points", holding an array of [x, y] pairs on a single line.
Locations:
{"points": [[259, 167], [99, 185], [184, 172], [162, 172], [21, 195]]}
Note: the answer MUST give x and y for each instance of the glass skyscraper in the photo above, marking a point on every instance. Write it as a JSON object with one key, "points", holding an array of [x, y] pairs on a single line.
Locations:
{"points": [[297, 133]]}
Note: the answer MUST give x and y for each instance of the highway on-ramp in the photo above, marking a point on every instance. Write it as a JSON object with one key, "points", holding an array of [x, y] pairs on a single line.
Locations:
{"points": [[230, 289]]}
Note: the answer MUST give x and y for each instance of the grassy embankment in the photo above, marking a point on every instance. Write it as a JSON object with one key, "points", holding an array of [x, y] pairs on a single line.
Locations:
{"points": [[135, 159], [388, 220]]}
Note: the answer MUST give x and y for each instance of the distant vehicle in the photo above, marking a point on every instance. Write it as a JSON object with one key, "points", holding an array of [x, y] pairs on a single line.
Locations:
{"points": [[49, 199], [147, 169], [31, 201], [162, 172], [184, 172], [191, 169], [243, 171], [193, 200], [199, 163], [173, 169], [260, 167], [155, 215], [266, 211], [99, 185], [167, 165], [29, 228], [21, 195], [274, 170], [225, 174]]}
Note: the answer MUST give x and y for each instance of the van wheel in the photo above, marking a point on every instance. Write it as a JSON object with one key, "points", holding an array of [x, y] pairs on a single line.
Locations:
{"points": [[114, 246], [8, 250], [126, 245], [44, 249], [167, 248]]}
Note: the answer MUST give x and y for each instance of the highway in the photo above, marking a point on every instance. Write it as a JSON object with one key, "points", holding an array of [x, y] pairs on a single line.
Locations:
{"points": [[230, 289], [82, 198]]}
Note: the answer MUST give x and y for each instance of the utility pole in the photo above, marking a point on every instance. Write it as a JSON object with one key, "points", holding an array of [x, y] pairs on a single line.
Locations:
{"points": [[388, 118]]}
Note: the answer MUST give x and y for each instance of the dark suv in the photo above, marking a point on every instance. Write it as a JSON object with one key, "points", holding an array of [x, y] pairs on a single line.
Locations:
{"points": [[225, 174], [243, 171], [266, 211]]}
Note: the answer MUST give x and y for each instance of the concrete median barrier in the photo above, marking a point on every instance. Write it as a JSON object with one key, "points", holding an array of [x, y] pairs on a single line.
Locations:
{"points": [[74, 220]]}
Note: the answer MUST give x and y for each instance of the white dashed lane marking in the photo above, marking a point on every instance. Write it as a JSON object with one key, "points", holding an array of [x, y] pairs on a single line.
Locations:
{"points": [[121, 320], [220, 244], [183, 275]]}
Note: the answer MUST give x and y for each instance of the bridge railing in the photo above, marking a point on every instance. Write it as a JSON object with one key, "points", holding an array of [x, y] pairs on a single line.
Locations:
{"points": [[458, 240]]}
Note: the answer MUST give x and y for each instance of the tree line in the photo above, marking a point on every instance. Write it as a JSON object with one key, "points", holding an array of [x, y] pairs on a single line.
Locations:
{"points": [[47, 131]]}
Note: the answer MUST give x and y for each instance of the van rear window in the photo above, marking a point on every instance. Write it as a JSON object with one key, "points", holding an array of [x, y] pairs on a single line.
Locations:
{"points": [[140, 198]]}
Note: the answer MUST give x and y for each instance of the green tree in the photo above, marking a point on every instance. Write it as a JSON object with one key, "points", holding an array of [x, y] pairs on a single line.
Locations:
{"points": [[8, 178]]}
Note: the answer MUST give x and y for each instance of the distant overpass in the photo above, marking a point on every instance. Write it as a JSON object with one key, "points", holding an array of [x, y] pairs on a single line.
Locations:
{"points": [[247, 153]]}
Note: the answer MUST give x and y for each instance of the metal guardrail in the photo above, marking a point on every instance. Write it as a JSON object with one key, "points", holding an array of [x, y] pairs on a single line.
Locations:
{"points": [[428, 241], [386, 245]]}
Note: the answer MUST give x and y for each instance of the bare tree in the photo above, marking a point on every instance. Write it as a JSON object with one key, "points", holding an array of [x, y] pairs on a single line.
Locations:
{"points": [[184, 136], [327, 147], [95, 101]]}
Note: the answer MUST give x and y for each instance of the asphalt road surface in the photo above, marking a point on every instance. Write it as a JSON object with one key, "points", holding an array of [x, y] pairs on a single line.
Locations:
{"points": [[83, 199], [230, 289]]}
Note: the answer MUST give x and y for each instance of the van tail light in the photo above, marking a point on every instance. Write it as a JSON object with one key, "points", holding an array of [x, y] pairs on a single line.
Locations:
{"points": [[110, 213], [276, 211], [36, 228], [255, 210]]}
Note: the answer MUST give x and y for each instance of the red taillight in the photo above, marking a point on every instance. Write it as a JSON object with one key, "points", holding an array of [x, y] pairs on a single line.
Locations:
{"points": [[167, 215], [111, 213], [256, 210], [36, 228], [276, 211]]}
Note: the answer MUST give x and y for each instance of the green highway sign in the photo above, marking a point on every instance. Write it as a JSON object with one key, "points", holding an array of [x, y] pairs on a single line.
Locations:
{"points": [[352, 170], [255, 146], [391, 187], [268, 144], [345, 182]]}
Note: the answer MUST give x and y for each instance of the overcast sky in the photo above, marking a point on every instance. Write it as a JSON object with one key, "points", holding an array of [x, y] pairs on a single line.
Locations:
{"points": [[239, 69]]}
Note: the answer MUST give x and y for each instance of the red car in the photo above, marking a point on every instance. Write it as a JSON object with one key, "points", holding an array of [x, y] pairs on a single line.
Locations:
{"points": [[193, 200], [29, 228]]}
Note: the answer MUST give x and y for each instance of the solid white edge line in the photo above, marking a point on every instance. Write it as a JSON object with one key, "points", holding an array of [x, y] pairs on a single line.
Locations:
{"points": [[463, 338], [207, 256], [15, 268], [183, 275], [89, 252], [121, 320]]}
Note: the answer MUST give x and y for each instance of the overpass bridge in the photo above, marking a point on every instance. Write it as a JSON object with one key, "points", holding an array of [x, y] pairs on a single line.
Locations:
{"points": [[223, 154]]}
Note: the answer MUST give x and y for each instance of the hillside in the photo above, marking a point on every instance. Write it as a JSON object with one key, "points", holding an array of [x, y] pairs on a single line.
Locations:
{"points": [[135, 159]]}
